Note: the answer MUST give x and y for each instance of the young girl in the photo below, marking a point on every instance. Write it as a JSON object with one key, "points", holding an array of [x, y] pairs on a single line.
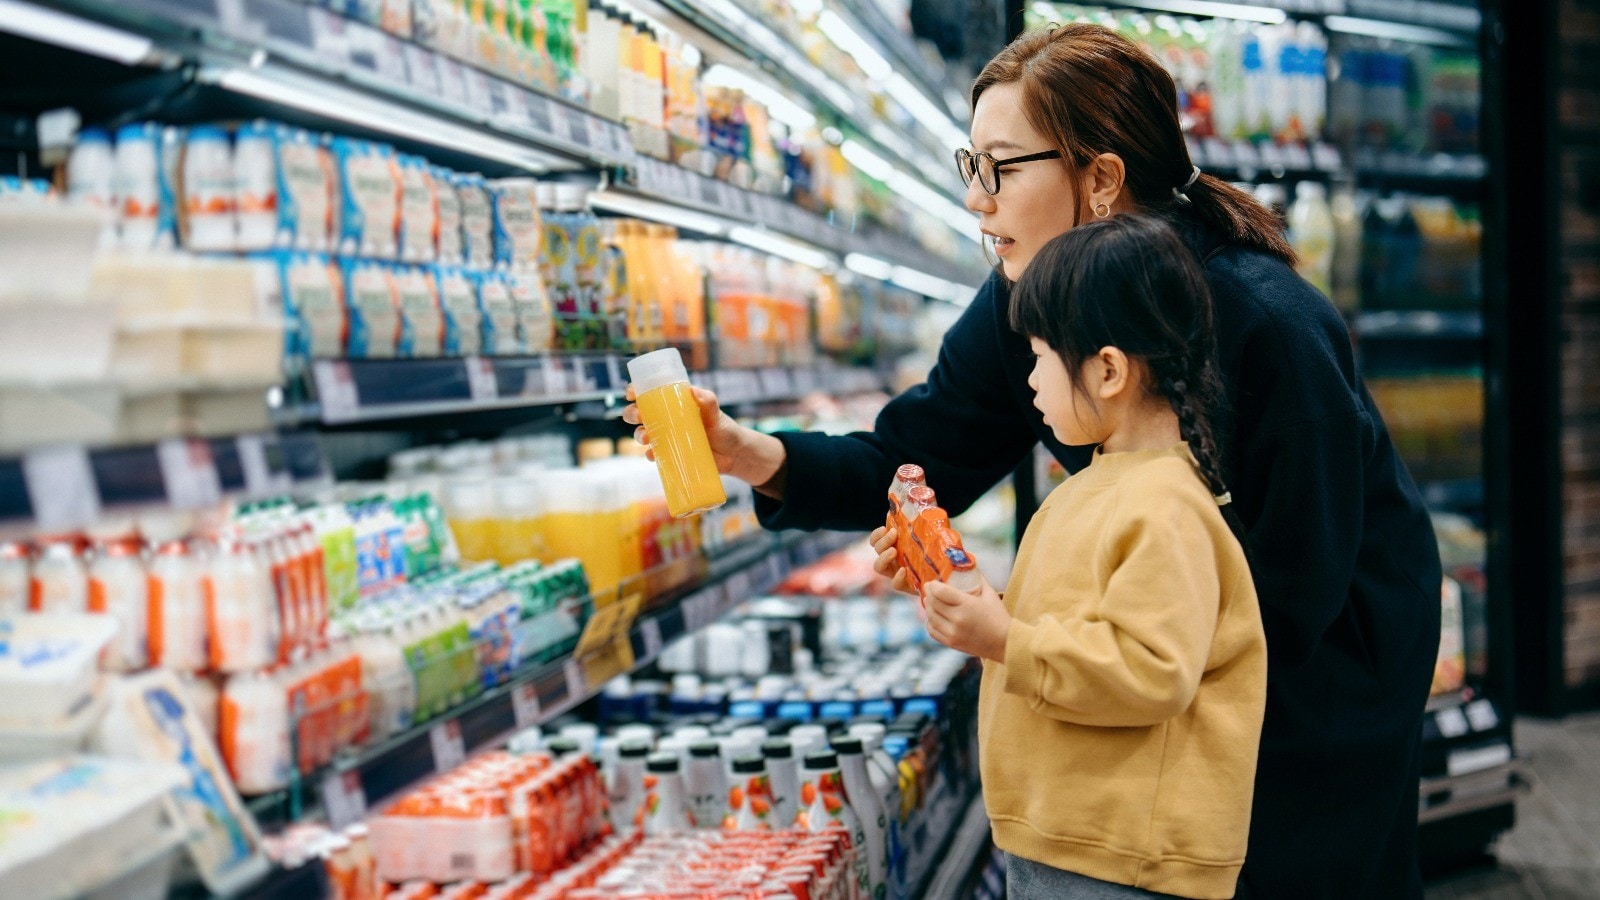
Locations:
{"points": [[1125, 668]]}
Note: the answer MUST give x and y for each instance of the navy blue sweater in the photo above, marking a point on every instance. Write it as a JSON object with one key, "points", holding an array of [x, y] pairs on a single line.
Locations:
{"points": [[1345, 560]]}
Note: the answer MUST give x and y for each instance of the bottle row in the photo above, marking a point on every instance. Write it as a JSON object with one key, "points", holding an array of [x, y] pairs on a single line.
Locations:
{"points": [[1257, 82]]}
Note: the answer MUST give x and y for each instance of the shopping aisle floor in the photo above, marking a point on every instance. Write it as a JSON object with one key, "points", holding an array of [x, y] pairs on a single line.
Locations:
{"points": [[1553, 853]]}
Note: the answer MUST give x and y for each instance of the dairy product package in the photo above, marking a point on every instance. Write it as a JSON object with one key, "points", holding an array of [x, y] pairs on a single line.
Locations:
{"points": [[463, 319], [419, 211], [535, 325], [500, 337], [477, 221], [146, 219], [255, 168], [311, 290], [305, 190], [449, 217], [209, 189], [373, 308], [369, 199], [421, 315], [518, 231]]}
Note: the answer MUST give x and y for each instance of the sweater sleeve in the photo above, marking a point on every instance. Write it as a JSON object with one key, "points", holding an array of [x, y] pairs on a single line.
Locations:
{"points": [[965, 425], [1137, 659]]}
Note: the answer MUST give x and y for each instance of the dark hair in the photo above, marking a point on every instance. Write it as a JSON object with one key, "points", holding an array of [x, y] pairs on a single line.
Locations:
{"points": [[1130, 282], [1090, 91]]}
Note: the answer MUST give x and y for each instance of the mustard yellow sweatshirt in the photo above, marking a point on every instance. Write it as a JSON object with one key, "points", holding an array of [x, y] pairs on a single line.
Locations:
{"points": [[1118, 739]]}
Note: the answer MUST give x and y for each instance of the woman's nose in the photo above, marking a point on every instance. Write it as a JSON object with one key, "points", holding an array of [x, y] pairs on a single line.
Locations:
{"points": [[979, 200]]}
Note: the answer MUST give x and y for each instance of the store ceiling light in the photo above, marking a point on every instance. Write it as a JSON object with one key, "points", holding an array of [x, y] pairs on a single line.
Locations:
{"points": [[926, 112], [932, 286], [319, 97], [1397, 31], [778, 245], [908, 95], [782, 108], [845, 38], [1202, 8], [63, 30], [656, 211], [870, 266]]}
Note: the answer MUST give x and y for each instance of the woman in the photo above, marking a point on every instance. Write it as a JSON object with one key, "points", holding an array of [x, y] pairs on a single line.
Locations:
{"points": [[1076, 123]]}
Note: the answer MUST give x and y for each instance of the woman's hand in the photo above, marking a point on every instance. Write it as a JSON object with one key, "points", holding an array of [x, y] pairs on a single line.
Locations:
{"points": [[975, 623], [742, 452], [888, 562]]}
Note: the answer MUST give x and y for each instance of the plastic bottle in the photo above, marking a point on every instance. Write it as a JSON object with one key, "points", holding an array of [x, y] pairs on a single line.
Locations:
{"points": [[886, 781], [136, 184], [869, 809], [627, 784], [1312, 235], [91, 177], [241, 611], [683, 454], [255, 170], [823, 806], [16, 574], [253, 732], [177, 609], [783, 780], [210, 189], [749, 799], [665, 812], [705, 784], [120, 587], [60, 582], [1345, 272]]}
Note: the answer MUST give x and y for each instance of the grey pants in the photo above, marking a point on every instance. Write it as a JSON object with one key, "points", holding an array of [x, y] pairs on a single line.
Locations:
{"points": [[1029, 880]]}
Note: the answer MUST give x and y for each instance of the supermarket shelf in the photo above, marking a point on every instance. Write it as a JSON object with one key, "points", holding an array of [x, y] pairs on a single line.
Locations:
{"points": [[1423, 14], [1249, 159], [364, 779], [1459, 795], [967, 845], [1418, 325], [352, 392], [61, 488], [308, 61]]}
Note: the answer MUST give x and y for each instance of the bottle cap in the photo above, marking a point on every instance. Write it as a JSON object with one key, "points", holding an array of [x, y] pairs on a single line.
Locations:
{"points": [[822, 759], [749, 765], [799, 711], [777, 748], [922, 495], [634, 750], [848, 746], [705, 750], [662, 763], [655, 369], [911, 473]]}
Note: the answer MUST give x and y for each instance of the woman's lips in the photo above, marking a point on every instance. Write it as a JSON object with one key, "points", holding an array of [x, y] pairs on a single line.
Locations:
{"points": [[1002, 245]]}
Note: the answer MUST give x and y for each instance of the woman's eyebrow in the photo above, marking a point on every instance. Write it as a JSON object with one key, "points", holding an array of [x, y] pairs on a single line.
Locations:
{"points": [[999, 145]]}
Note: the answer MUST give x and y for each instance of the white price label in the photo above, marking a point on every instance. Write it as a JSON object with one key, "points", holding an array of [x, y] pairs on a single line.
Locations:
{"points": [[700, 608], [651, 630], [525, 704], [1325, 157], [539, 111], [259, 479], [577, 126], [449, 750], [1452, 722], [481, 380], [422, 70], [336, 390], [392, 63], [614, 371], [452, 82], [1481, 714], [188, 473], [1477, 759], [511, 105], [580, 381], [577, 682], [343, 798], [478, 98], [61, 488]]}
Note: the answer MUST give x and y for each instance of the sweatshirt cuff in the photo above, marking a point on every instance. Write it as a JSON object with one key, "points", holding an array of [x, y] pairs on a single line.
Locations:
{"points": [[809, 488], [1024, 672]]}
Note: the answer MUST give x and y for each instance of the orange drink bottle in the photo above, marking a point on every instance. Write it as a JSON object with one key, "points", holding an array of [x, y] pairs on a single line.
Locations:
{"points": [[683, 453]]}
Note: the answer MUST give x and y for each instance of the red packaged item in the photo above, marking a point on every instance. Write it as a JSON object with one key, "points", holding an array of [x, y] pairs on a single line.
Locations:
{"points": [[928, 548]]}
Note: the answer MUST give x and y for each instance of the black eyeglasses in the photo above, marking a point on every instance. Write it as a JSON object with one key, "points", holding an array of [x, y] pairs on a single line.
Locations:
{"points": [[987, 169]]}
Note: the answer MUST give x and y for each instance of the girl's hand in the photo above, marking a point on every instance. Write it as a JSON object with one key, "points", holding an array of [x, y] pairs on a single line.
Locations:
{"points": [[739, 451], [888, 562], [975, 623]]}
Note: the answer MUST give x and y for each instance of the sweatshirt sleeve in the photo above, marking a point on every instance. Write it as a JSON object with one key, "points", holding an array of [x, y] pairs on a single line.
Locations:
{"points": [[965, 425], [1137, 659]]}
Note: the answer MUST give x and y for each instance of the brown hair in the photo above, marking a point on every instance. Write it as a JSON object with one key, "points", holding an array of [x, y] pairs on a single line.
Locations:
{"points": [[1089, 91]]}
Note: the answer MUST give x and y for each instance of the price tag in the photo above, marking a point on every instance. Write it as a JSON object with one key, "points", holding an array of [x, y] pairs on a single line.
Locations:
{"points": [[479, 99], [1297, 157], [577, 682], [336, 390], [1452, 722], [328, 39], [449, 750], [188, 473], [392, 64], [481, 380], [651, 631], [452, 82], [1481, 714], [422, 70], [1271, 156], [510, 108], [578, 376], [618, 380], [261, 477], [61, 488], [577, 126], [539, 113], [525, 705], [343, 798], [1325, 158], [698, 608]]}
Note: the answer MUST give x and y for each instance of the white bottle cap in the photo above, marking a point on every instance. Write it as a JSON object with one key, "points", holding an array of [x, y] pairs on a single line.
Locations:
{"points": [[657, 368]]}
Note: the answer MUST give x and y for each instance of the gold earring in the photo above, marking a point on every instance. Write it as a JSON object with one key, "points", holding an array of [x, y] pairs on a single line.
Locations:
{"points": [[1102, 210]]}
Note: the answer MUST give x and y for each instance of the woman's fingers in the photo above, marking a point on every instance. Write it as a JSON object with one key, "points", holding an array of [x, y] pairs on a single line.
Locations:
{"points": [[883, 538]]}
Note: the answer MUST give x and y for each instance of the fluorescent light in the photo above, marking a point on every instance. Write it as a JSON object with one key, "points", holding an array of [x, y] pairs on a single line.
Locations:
{"points": [[1208, 8], [780, 246], [871, 163], [73, 33], [926, 198], [1378, 28], [656, 211], [320, 97], [932, 286], [845, 38], [782, 108], [926, 112], [870, 266]]}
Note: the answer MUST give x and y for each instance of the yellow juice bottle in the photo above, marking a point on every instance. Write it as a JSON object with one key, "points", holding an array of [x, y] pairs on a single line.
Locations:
{"points": [[471, 514], [520, 533], [683, 453]]}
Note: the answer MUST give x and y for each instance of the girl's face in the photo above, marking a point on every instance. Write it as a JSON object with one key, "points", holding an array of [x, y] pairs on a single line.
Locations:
{"points": [[1035, 202], [1072, 418]]}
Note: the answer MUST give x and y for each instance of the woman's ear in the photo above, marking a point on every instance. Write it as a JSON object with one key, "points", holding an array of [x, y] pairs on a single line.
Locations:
{"points": [[1106, 176], [1112, 372]]}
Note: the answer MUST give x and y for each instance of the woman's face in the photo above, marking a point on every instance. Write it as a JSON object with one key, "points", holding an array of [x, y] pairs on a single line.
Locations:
{"points": [[1072, 417], [1036, 202]]}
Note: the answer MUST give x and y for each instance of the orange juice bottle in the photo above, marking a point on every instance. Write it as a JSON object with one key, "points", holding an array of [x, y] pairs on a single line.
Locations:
{"points": [[683, 453]]}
